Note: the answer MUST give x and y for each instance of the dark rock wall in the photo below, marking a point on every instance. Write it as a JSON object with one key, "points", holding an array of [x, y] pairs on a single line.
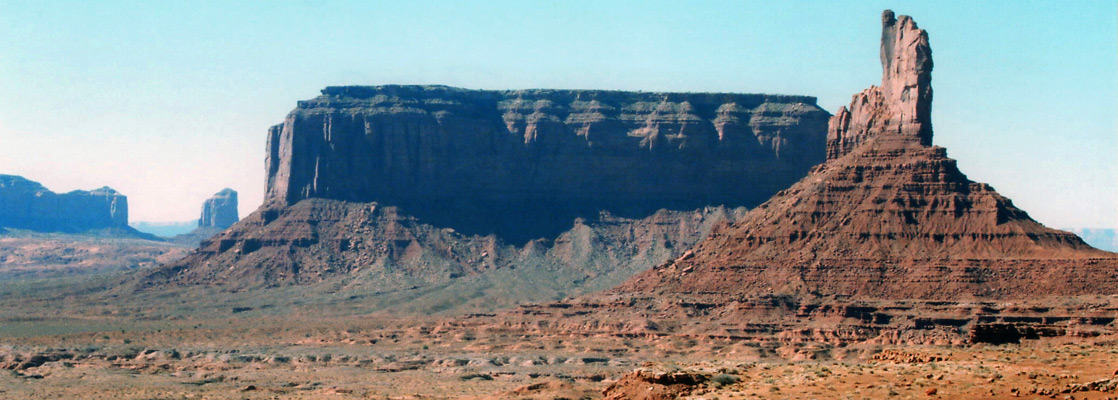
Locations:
{"points": [[524, 164], [26, 204]]}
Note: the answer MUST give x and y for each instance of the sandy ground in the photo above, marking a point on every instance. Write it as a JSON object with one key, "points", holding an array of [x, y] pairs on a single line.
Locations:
{"points": [[304, 359]]}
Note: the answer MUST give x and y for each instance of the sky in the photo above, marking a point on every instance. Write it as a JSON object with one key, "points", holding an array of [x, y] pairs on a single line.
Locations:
{"points": [[169, 101]]}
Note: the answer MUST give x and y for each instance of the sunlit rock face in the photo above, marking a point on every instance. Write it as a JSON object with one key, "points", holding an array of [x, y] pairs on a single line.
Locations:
{"points": [[888, 215], [902, 106]]}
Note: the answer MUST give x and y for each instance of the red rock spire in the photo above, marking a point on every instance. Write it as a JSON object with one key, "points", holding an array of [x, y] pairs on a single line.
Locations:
{"points": [[902, 105], [888, 216]]}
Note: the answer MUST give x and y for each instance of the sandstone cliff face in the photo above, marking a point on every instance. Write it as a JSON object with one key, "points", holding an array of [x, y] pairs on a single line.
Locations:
{"points": [[493, 197], [901, 108], [26, 204], [484, 162], [885, 243], [889, 216], [220, 210]]}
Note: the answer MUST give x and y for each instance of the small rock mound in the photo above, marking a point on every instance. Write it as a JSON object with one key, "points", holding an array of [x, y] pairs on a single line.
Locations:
{"points": [[653, 385], [906, 357]]}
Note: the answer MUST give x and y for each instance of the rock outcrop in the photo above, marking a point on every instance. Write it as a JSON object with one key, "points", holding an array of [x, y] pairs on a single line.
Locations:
{"points": [[220, 210], [889, 216], [556, 192], [483, 162], [885, 243], [25, 204], [902, 106]]}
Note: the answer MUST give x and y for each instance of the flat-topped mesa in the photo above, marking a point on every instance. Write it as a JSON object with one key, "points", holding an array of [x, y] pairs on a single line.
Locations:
{"points": [[484, 161], [26, 204], [902, 106], [220, 210]]}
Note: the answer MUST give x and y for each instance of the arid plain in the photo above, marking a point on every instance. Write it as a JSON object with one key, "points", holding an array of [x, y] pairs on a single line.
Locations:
{"points": [[423, 242]]}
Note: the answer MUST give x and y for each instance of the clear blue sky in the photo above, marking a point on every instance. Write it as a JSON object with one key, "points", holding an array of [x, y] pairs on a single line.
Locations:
{"points": [[168, 101]]}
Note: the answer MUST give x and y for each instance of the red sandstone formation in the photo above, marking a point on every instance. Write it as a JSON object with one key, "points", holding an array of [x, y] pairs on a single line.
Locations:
{"points": [[484, 162], [888, 216], [902, 105], [546, 192], [885, 243]]}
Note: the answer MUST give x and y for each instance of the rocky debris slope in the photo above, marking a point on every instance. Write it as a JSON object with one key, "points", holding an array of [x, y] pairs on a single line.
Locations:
{"points": [[25, 204], [483, 162], [220, 210], [798, 328], [644, 384], [379, 248], [889, 216]]}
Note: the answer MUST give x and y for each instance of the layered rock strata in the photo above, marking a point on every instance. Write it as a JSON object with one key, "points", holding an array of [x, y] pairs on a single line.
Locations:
{"points": [[421, 185], [483, 162], [25, 204], [885, 243], [889, 216]]}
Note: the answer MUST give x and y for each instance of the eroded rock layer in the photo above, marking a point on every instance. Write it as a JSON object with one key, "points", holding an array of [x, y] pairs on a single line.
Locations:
{"points": [[485, 162], [902, 105], [378, 248], [885, 243], [416, 186], [26, 204], [889, 216]]}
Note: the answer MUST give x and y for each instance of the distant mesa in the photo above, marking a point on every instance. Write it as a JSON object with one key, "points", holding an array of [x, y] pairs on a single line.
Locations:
{"points": [[220, 210], [27, 205], [889, 216], [218, 213]]}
